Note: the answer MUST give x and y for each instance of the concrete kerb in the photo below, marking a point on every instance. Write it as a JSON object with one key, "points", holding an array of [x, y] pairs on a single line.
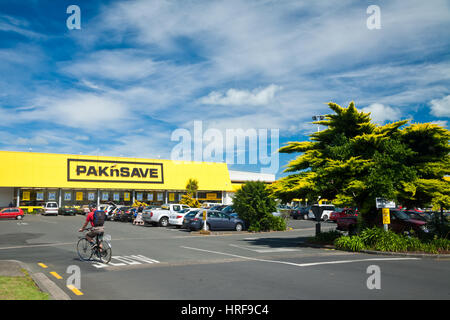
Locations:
{"points": [[383, 253], [41, 280], [224, 233]]}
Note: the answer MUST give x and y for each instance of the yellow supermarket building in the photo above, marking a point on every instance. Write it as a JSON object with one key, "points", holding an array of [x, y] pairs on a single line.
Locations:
{"points": [[30, 179]]}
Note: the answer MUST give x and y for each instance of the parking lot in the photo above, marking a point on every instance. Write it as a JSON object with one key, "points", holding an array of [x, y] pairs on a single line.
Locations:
{"points": [[168, 263]]}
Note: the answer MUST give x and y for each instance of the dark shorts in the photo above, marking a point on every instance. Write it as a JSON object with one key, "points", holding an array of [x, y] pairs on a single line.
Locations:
{"points": [[95, 232]]}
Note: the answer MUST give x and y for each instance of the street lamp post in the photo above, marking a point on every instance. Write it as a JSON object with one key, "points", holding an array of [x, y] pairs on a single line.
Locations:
{"points": [[319, 213]]}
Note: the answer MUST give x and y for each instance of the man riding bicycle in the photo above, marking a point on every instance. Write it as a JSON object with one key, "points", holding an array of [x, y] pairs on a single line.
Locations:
{"points": [[97, 219]]}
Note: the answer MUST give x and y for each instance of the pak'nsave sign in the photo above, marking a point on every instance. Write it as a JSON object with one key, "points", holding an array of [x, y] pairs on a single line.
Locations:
{"points": [[114, 171]]}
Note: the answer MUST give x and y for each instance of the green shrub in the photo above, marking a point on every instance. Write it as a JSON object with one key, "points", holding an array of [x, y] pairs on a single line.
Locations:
{"points": [[254, 205], [278, 224], [347, 243], [267, 223], [388, 241]]}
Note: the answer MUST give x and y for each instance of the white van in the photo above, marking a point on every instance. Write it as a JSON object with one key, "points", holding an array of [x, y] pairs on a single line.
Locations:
{"points": [[51, 208]]}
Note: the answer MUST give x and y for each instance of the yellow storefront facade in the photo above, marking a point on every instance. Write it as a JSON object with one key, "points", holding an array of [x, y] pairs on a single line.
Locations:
{"points": [[31, 179]]}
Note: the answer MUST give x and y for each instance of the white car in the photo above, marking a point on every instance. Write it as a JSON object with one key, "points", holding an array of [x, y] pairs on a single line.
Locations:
{"points": [[176, 218], [327, 209], [161, 215], [51, 208]]}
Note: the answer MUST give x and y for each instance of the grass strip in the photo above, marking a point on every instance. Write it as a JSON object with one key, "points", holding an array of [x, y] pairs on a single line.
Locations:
{"points": [[20, 288]]}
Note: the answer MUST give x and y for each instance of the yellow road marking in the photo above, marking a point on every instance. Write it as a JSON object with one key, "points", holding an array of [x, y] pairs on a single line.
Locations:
{"points": [[75, 290], [42, 265], [57, 276]]}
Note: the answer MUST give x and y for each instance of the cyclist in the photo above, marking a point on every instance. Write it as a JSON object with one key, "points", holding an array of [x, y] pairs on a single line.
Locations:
{"points": [[97, 219]]}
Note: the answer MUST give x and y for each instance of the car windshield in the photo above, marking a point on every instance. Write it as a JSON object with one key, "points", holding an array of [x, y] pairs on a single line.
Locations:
{"points": [[338, 209]]}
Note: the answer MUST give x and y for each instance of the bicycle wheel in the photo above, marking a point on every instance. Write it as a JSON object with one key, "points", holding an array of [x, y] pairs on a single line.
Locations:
{"points": [[106, 253], [84, 249]]}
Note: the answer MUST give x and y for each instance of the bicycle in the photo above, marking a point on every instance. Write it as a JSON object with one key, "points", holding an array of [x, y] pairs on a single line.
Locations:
{"points": [[86, 250]]}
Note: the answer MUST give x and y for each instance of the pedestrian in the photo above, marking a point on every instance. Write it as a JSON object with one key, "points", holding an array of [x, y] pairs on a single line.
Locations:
{"points": [[138, 220], [11, 204]]}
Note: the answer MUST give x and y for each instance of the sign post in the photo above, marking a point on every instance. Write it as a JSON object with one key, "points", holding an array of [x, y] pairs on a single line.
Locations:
{"points": [[386, 218], [385, 205], [205, 218]]}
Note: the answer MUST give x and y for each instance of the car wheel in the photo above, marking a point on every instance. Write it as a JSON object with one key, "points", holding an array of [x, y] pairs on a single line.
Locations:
{"points": [[19, 217], [325, 217], [163, 222], [238, 227]]}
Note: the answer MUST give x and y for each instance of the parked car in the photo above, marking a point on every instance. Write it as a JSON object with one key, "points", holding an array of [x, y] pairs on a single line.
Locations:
{"points": [[326, 209], [218, 207], [342, 213], [67, 211], [216, 220], [50, 208], [115, 213], [126, 214], [400, 223], [11, 213], [299, 212], [176, 218], [209, 205], [228, 210], [161, 215], [189, 216], [422, 216]]}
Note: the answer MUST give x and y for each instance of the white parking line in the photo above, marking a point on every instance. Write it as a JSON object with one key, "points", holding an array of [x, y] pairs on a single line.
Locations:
{"points": [[302, 264], [265, 250]]}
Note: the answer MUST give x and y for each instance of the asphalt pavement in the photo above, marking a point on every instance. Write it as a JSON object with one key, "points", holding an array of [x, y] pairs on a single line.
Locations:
{"points": [[151, 263]]}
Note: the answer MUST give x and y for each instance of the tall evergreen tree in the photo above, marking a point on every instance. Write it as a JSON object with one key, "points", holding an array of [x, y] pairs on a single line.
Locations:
{"points": [[354, 161]]}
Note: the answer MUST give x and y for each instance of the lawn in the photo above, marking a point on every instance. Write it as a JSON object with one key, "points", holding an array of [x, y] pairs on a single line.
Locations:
{"points": [[20, 288]]}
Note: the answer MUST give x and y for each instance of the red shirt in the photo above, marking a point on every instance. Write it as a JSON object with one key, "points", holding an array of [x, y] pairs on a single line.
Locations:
{"points": [[90, 217]]}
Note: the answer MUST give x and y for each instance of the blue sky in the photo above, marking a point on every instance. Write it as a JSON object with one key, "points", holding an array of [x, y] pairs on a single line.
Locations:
{"points": [[138, 70]]}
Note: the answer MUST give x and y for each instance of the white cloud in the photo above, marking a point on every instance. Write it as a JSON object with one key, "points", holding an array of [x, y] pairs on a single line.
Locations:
{"points": [[31, 141], [121, 64], [381, 113], [234, 97], [442, 123], [441, 107], [73, 109]]}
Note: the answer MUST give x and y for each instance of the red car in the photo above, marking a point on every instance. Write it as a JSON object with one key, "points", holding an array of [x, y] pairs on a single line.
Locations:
{"points": [[342, 213], [10, 213]]}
